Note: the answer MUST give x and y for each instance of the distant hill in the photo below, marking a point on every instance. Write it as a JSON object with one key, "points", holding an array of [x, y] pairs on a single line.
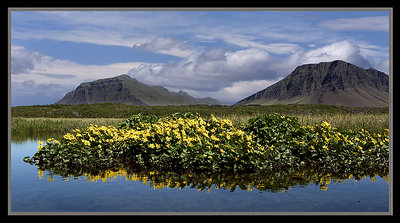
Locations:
{"points": [[330, 83], [127, 90]]}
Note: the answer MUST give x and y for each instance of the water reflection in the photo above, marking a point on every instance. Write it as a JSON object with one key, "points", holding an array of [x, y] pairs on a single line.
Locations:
{"points": [[276, 181]]}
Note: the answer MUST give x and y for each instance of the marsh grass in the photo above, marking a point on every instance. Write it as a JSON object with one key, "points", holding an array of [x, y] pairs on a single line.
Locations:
{"points": [[376, 123], [21, 125], [64, 118], [372, 122]]}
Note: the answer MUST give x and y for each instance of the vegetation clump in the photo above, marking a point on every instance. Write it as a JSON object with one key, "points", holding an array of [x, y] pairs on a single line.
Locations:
{"points": [[186, 141]]}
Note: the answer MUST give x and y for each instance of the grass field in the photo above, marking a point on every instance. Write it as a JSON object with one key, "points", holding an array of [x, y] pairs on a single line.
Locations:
{"points": [[63, 118]]}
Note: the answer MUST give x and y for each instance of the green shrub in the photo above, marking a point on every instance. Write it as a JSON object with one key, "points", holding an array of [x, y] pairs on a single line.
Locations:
{"points": [[186, 141]]}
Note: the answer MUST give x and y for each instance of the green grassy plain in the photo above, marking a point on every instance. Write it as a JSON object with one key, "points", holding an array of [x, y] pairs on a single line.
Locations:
{"points": [[63, 118]]}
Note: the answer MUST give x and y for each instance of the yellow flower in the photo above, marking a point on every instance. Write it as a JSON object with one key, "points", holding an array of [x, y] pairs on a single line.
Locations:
{"points": [[85, 142], [326, 125], [248, 137]]}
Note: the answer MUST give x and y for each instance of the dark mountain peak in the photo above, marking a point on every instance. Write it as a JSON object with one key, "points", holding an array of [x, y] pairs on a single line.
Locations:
{"points": [[122, 77], [182, 93], [336, 82], [338, 63]]}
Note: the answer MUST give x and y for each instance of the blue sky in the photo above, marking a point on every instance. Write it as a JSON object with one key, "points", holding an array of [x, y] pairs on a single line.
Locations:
{"points": [[227, 55]]}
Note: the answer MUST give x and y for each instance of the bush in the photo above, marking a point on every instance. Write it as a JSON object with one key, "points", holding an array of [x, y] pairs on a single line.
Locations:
{"points": [[188, 142]]}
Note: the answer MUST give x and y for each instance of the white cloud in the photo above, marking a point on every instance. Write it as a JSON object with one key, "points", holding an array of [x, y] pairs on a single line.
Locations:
{"points": [[23, 61], [117, 28], [248, 42], [348, 51], [241, 89], [383, 66], [100, 36], [211, 70], [170, 46], [374, 23]]}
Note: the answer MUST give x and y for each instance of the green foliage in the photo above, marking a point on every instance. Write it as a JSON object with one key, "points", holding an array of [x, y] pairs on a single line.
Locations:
{"points": [[320, 145], [136, 120]]}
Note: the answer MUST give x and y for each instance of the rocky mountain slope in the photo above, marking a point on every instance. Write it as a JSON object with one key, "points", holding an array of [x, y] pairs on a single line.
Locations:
{"points": [[331, 83], [126, 90]]}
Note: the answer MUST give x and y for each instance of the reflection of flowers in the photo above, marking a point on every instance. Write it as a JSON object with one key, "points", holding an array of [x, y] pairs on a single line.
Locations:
{"points": [[267, 181]]}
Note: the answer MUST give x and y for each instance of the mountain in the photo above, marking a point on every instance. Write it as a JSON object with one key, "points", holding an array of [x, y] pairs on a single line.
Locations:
{"points": [[331, 83], [127, 90]]}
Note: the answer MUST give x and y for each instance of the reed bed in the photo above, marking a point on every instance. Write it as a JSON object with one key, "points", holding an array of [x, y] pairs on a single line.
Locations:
{"points": [[63, 118], [21, 125], [376, 123], [372, 122]]}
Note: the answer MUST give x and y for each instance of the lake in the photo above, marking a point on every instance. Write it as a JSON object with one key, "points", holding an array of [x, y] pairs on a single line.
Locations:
{"points": [[124, 190]]}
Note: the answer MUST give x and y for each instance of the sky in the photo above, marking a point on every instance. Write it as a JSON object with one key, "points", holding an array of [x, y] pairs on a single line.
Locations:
{"points": [[227, 55]]}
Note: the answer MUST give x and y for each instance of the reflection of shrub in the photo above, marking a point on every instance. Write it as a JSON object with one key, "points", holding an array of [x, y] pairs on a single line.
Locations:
{"points": [[188, 142]]}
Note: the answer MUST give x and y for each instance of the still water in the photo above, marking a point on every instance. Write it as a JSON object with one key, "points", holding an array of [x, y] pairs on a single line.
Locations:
{"points": [[123, 190]]}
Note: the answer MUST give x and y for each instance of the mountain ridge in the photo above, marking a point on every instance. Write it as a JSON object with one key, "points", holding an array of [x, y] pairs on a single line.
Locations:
{"points": [[127, 90], [332, 83]]}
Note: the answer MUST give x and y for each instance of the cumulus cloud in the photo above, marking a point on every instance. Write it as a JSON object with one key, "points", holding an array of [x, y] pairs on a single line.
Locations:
{"points": [[210, 70], [241, 89], [23, 61], [348, 51], [165, 45], [373, 23], [383, 66], [28, 64]]}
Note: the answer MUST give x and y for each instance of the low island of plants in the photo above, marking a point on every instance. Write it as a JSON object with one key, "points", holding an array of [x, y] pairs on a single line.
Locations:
{"points": [[187, 142]]}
